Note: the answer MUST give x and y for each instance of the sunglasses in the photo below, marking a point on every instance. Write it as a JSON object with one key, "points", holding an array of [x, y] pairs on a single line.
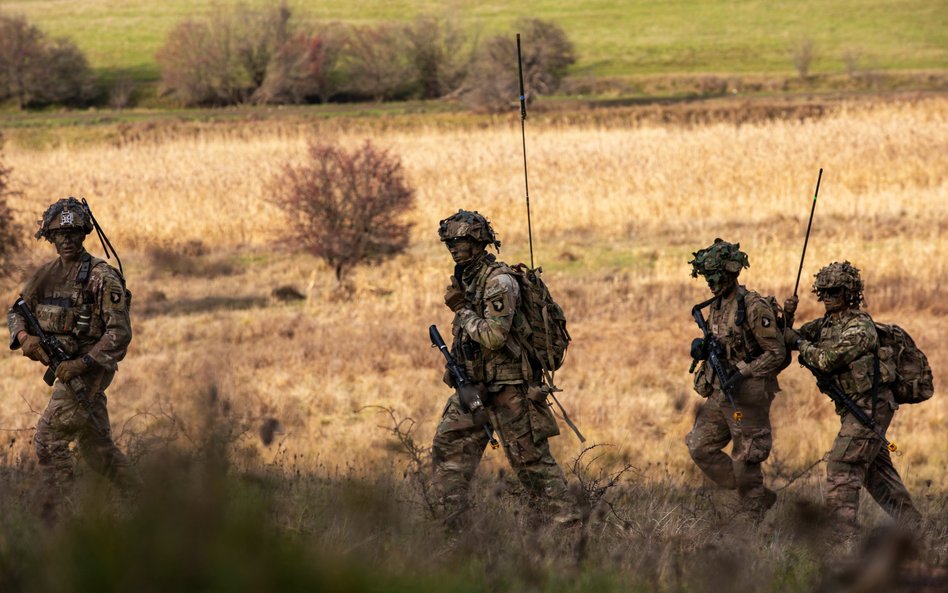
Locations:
{"points": [[455, 240], [830, 292]]}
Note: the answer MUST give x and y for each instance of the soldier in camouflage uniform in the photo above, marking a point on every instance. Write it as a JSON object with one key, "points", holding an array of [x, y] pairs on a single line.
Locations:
{"points": [[81, 300], [484, 296], [845, 342], [746, 326]]}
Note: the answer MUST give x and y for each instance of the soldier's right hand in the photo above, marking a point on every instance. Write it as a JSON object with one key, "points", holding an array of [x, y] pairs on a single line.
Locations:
{"points": [[790, 305], [33, 350], [448, 379]]}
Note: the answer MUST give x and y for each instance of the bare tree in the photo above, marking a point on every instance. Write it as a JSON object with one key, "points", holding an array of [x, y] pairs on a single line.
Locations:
{"points": [[305, 67], [223, 59], [547, 54], [803, 55], [376, 63], [345, 207], [35, 70], [10, 232], [439, 54]]}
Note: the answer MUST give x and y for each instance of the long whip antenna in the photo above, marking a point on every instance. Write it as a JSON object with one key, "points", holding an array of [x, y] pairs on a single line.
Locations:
{"points": [[809, 225], [788, 320], [523, 135]]}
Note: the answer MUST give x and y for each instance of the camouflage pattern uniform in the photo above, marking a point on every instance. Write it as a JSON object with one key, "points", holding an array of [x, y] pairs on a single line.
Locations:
{"points": [[745, 324], [845, 343], [84, 305], [484, 345]]}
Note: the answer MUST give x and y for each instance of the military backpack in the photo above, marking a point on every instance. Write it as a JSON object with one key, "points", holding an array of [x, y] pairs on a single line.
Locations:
{"points": [[913, 382], [540, 325]]}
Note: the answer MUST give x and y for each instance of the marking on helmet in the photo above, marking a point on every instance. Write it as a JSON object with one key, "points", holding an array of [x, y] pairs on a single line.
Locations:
{"points": [[66, 218]]}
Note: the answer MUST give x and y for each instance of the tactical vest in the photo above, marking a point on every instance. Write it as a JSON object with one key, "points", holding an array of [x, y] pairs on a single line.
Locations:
{"points": [[728, 322], [857, 378], [504, 366], [71, 313]]}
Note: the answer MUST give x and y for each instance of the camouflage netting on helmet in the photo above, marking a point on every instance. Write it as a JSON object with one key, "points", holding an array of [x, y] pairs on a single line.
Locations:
{"points": [[721, 256], [468, 224], [840, 275], [68, 213]]}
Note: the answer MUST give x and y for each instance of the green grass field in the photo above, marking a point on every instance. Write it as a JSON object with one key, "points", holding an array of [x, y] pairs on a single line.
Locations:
{"points": [[613, 38]]}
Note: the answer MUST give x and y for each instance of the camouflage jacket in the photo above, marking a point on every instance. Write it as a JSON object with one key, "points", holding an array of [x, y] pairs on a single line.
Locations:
{"points": [[482, 328], [845, 344], [754, 347], [88, 317]]}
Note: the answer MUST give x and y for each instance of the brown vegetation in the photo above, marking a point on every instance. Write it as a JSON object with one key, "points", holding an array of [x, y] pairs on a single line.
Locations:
{"points": [[618, 208]]}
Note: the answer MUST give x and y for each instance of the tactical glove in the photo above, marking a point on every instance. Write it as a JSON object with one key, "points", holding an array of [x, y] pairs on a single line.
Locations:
{"points": [[733, 381], [473, 403], [790, 306], [698, 350], [70, 369], [454, 297], [448, 379], [792, 338], [33, 350]]}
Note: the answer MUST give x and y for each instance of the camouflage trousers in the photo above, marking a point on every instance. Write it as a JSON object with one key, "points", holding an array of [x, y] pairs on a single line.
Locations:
{"points": [[858, 458], [65, 421], [715, 427], [524, 427]]}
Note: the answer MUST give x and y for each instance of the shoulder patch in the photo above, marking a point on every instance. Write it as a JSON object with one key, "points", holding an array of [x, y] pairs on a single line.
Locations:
{"points": [[765, 322]]}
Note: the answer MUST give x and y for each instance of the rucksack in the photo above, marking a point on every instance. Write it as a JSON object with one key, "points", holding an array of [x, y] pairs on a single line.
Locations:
{"points": [[540, 325], [914, 382]]}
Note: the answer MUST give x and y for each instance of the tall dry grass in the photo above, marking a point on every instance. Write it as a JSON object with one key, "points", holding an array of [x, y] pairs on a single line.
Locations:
{"points": [[617, 212]]}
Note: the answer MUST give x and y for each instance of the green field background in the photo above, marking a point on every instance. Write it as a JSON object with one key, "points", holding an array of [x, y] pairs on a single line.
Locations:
{"points": [[613, 38]]}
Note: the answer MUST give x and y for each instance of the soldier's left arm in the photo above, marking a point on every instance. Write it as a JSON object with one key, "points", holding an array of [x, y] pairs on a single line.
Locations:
{"points": [[763, 325], [857, 338], [491, 327], [112, 306]]}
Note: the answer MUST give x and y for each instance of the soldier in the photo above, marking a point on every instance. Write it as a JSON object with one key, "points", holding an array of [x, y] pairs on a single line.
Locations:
{"points": [[746, 326], [484, 296], [844, 342], [81, 300]]}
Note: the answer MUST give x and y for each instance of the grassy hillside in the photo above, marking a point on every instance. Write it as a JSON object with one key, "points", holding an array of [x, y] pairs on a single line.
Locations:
{"points": [[624, 38]]}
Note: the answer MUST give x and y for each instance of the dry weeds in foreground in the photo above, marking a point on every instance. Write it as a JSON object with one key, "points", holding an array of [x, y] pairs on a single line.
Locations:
{"points": [[618, 212]]}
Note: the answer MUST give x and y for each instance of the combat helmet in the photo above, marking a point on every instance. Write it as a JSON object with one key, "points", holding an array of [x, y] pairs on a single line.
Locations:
{"points": [[65, 214], [468, 223], [840, 275], [720, 257]]}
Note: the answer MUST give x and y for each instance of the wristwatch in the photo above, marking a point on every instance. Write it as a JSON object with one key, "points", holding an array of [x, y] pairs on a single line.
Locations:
{"points": [[88, 360]]}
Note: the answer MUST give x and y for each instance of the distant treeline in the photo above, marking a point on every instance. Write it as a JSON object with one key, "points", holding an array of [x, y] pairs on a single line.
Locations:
{"points": [[247, 55]]}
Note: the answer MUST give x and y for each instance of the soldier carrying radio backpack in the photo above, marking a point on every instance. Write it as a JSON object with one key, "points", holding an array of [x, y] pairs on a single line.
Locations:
{"points": [[868, 369], [499, 362], [73, 318]]}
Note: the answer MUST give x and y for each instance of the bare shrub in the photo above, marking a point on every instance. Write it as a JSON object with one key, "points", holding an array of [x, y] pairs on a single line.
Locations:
{"points": [[122, 92], [225, 58], [304, 67], [547, 54], [35, 70], [436, 51], [10, 232], [376, 63], [344, 207], [803, 55]]}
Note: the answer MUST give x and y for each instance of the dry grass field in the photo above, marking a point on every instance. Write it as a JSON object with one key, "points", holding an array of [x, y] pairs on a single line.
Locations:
{"points": [[617, 208]]}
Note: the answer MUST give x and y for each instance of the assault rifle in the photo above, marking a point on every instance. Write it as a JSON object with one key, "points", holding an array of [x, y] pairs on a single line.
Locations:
{"points": [[461, 382], [710, 350], [827, 384], [57, 355]]}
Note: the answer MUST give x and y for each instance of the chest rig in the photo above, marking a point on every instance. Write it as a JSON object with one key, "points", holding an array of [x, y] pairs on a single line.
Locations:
{"points": [[503, 366], [68, 308], [727, 321]]}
